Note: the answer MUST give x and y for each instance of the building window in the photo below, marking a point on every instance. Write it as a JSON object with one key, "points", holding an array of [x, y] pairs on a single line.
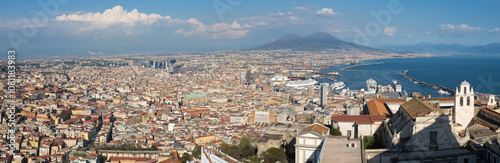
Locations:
{"points": [[465, 91], [466, 160], [468, 101], [461, 101], [433, 144]]}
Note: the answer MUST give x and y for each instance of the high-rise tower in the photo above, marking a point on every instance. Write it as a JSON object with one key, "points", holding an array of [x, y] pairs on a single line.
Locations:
{"points": [[324, 93]]}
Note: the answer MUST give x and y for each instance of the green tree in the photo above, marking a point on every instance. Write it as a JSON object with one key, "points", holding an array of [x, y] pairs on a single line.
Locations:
{"points": [[185, 157], [254, 159], [372, 142], [232, 151], [197, 152], [335, 131], [246, 148], [273, 155]]}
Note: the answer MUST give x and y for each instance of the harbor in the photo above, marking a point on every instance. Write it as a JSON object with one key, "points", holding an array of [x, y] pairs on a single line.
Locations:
{"points": [[356, 65], [436, 87]]}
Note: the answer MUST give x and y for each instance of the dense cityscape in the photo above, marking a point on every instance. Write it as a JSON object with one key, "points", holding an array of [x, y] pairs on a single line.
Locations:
{"points": [[237, 106], [234, 81]]}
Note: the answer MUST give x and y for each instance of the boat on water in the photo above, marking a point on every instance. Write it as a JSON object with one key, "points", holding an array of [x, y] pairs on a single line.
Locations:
{"points": [[301, 83], [444, 92], [333, 73], [338, 85], [332, 78], [415, 82]]}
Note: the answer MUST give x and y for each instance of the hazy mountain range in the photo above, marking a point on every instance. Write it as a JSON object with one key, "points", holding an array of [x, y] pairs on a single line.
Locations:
{"points": [[323, 41], [490, 49]]}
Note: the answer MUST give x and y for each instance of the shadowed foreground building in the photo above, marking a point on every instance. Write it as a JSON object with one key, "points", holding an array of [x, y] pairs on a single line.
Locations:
{"points": [[419, 132]]}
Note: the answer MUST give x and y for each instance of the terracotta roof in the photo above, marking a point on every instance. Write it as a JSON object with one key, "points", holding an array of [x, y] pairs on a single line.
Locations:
{"points": [[377, 106], [359, 119], [318, 128], [417, 108]]}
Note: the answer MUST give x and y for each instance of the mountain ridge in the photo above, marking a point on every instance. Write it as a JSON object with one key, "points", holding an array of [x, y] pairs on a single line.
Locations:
{"points": [[315, 42], [425, 47]]}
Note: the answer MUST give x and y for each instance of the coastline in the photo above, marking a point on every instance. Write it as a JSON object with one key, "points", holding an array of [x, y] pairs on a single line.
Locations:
{"points": [[444, 70]]}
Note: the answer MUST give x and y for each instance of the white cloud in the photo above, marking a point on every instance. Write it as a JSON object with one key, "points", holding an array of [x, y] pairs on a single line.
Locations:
{"points": [[126, 22], [236, 25], [262, 24], [389, 31], [464, 29], [461, 27], [302, 8], [215, 31], [326, 12], [280, 13], [115, 16], [459, 30]]}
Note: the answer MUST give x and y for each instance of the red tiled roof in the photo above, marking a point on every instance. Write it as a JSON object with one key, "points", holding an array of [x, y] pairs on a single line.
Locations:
{"points": [[318, 128], [377, 106]]}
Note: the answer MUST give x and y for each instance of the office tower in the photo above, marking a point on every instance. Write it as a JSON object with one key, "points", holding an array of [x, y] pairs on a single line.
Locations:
{"points": [[324, 93]]}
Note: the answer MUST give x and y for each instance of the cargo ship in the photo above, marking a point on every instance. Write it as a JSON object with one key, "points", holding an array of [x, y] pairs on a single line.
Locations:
{"points": [[338, 85]]}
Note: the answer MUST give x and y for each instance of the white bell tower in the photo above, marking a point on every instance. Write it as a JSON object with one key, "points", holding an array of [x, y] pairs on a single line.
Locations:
{"points": [[464, 104]]}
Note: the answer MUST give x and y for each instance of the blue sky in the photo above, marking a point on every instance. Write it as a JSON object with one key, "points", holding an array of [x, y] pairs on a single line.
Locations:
{"points": [[110, 27]]}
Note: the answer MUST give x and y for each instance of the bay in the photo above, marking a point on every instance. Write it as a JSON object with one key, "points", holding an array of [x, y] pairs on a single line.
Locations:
{"points": [[482, 72]]}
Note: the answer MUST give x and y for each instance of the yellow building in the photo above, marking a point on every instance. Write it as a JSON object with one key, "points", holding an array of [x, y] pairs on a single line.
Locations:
{"points": [[205, 139]]}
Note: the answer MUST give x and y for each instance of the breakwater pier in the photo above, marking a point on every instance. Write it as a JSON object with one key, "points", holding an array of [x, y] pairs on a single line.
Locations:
{"points": [[347, 68], [436, 87]]}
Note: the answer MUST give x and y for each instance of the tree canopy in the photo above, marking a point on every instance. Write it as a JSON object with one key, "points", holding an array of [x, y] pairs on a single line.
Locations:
{"points": [[335, 131], [273, 155]]}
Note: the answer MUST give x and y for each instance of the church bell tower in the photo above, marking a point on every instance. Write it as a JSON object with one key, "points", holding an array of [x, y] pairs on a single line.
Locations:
{"points": [[464, 104]]}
